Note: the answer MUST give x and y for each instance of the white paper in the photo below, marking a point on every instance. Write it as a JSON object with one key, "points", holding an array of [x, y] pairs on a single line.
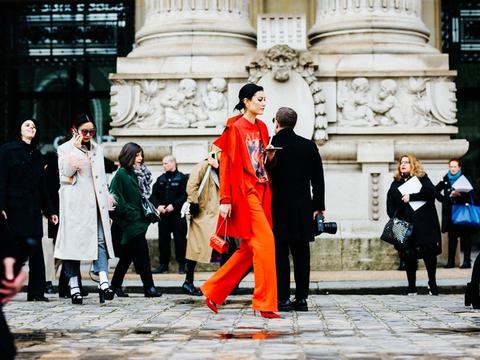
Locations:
{"points": [[412, 186], [462, 184]]}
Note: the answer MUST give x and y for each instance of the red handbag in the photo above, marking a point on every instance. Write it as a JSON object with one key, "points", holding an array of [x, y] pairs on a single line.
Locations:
{"points": [[219, 244]]}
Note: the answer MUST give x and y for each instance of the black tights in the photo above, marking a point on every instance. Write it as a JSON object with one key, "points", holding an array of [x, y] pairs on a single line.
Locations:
{"points": [[411, 264]]}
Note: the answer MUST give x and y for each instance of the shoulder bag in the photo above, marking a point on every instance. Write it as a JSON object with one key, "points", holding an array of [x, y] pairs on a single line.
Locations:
{"points": [[218, 243], [467, 214], [397, 232]]}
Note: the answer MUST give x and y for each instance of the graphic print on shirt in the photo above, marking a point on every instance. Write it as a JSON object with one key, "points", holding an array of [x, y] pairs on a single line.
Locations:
{"points": [[256, 154]]}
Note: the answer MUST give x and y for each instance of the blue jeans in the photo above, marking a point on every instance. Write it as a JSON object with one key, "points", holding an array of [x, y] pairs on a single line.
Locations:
{"points": [[101, 264]]}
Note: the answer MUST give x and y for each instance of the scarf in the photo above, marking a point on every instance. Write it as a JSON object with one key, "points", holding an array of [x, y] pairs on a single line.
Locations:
{"points": [[144, 178], [453, 178]]}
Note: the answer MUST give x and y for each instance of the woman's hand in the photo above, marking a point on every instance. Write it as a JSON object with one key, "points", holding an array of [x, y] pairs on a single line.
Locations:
{"points": [[406, 198], [455, 193], [161, 209], [225, 210], [77, 139]]}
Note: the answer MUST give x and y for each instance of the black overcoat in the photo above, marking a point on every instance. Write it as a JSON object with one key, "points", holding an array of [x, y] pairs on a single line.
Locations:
{"points": [[426, 227], [296, 174], [444, 189], [23, 190]]}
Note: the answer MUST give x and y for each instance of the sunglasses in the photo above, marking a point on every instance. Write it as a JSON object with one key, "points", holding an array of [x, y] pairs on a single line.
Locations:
{"points": [[86, 132]]}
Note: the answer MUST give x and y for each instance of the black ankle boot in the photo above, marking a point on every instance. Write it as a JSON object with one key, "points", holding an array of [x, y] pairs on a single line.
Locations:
{"points": [[433, 288], [152, 292], [119, 291], [450, 264]]}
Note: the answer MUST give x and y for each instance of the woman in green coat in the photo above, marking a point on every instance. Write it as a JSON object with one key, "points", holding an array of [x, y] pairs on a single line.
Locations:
{"points": [[130, 183]]}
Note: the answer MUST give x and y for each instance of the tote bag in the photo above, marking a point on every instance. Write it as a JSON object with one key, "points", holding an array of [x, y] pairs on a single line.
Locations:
{"points": [[466, 214]]}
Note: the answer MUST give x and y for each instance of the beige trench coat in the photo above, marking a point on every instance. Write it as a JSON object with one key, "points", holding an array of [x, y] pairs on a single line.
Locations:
{"points": [[81, 193], [203, 225]]}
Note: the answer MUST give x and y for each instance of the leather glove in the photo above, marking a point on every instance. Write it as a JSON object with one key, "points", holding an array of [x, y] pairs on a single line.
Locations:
{"points": [[194, 209]]}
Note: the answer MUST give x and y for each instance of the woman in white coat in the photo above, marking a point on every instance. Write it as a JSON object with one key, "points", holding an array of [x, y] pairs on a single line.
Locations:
{"points": [[84, 224]]}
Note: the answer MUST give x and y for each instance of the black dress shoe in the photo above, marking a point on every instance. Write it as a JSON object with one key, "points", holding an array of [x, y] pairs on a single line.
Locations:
{"points": [[49, 289], [119, 291], [466, 265], [161, 269], [300, 305], [152, 292], [285, 305], [401, 265], [181, 269], [189, 289], [449, 265], [37, 298]]}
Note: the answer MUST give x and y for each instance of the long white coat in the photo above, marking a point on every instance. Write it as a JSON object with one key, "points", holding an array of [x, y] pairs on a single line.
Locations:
{"points": [[81, 193]]}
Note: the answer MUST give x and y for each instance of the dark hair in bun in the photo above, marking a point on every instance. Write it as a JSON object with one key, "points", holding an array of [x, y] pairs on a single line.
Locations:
{"points": [[246, 92]]}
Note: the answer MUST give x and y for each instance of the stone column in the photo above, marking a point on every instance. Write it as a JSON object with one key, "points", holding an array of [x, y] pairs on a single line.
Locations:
{"points": [[370, 26], [195, 27]]}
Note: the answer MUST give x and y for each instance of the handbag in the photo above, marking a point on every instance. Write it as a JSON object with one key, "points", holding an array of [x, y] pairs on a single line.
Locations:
{"points": [[466, 214], [218, 243], [149, 211], [397, 232]]}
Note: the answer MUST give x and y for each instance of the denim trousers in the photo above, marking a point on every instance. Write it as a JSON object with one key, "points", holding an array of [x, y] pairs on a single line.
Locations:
{"points": [[72, 267]]}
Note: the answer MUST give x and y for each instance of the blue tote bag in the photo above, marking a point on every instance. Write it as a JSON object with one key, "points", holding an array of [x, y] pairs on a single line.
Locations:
{"points": [[466, 214]]}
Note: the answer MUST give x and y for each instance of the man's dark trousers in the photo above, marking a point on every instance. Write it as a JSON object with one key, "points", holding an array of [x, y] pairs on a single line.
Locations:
{"points": [[300, 251], [172, 223]]}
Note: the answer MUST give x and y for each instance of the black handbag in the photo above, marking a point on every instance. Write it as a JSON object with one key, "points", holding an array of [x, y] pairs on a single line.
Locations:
{"points": [[149, 211], [397, 232]]}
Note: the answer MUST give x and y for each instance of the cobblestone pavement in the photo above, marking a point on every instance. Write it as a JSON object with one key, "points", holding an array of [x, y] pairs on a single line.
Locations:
{"points": [[177, 327]]}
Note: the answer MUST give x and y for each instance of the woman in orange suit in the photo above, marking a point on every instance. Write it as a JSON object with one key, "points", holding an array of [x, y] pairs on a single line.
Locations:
{"points": [[245, 206]]}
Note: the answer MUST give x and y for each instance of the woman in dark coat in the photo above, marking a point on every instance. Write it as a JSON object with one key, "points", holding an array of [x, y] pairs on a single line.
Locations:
{"points": [[23, 200], [425, 241], [130, 183], [449, 196]]}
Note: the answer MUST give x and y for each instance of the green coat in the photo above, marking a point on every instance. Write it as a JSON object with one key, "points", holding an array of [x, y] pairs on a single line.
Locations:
{"points": [[128, 210]]}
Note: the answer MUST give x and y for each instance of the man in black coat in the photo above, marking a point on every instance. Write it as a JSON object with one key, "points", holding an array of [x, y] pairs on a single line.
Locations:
{"points": [[296, 174], [168, 195]]}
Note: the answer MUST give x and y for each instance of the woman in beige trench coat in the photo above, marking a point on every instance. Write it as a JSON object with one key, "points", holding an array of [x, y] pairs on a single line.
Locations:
{"points": [[203, 215], [84, 224]]}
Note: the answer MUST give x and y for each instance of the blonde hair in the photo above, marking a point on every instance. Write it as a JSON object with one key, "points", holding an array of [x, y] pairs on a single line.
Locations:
{"points": [[416, 167]]}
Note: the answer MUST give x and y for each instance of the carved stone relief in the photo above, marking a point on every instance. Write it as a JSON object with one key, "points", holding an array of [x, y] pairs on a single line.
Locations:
{"points": [[282, 61], [413, 102], [147, 104]]}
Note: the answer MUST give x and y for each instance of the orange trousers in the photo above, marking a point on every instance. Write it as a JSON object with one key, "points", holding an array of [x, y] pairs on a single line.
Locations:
{"points": [[259, 250]]}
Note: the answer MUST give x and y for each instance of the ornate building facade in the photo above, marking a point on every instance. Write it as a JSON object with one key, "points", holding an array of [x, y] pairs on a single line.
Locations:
{"points": [[365, 77]]}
